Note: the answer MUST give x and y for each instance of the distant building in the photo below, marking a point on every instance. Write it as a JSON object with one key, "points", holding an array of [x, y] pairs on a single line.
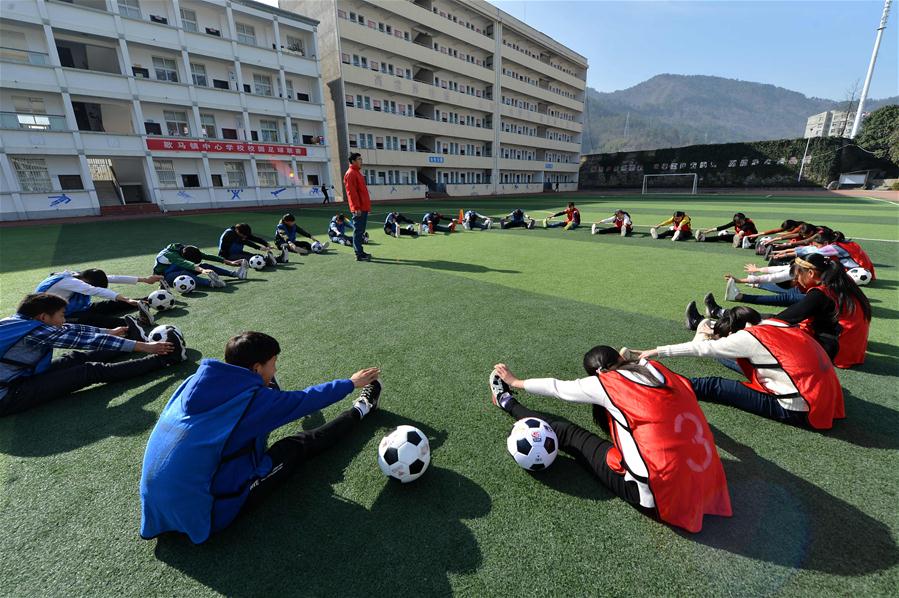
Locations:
{"points": [[832, 123]]}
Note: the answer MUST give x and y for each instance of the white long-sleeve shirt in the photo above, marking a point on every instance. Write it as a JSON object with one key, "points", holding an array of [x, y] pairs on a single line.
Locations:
{"points": [[627, 220], [69, 285], [589, 390], [771, 274], [742, 345]]}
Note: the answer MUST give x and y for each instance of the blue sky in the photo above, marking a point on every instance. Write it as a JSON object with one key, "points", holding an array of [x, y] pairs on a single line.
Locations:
{"points": [[818, 48]]}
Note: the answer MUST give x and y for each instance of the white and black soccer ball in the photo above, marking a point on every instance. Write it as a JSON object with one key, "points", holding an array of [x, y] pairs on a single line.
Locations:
{"points": [[859, 275], [317, 247], [257, 262], [404, 454], [533, 444], [184, 284], [161, 300], [410, 228], [161, 333]]}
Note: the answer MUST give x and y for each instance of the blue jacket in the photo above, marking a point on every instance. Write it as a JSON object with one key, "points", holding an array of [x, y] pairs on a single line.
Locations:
{"points": [[208, 447], [77, 301]]}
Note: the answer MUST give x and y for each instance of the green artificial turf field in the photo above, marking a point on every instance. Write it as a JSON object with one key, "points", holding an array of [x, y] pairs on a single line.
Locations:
{"points": [[813, 513]]}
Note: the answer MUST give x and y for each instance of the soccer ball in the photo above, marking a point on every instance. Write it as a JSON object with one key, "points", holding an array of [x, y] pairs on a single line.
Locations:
{"points": [[410, 228], [160, 334], [533, 444], [316, 247], [860, 276], [184, 284], [257, 262], [404, 454], [161, 300]]}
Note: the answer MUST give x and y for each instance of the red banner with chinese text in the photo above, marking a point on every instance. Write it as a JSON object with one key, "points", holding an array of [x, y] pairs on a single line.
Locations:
{"points": [[226, 147]]}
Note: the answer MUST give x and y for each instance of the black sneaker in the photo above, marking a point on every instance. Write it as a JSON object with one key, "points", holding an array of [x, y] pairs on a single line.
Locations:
{"points": [[145, 317], [135, 332], [365, 257], [368, 399], [179, 348], [500, 393], [712, 309], [692, 317]]}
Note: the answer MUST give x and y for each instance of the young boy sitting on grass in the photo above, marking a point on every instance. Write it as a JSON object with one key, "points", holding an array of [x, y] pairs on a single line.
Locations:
{"points": [[177, 260], [208, 456], [29, 376]]}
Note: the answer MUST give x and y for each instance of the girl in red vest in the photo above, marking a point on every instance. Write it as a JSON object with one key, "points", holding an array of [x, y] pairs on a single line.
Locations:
{"points": [[791, 378], [835, 310], [662, 457]]}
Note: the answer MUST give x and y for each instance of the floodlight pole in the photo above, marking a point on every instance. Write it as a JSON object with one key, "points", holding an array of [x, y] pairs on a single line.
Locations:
{"points": [[861, 101]]}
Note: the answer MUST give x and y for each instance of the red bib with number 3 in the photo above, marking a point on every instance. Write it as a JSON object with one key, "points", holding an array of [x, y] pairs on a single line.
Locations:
{"points": [[674, 440]]}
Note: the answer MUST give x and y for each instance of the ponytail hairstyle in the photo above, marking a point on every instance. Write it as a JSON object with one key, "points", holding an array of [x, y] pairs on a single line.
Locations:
{"points": [[622, 213], [789, 224], [807, 229], [603, 358], [735, 319], [825, 237], [838, 236], [847, 294]]}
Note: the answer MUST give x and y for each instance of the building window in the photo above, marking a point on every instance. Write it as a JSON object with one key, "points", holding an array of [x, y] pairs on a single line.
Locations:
{"points": [[198, 73], [237, 176], [217, 180], [32, 173], [165, 172], [262, 85], [296, 44], [246, 34], [269, 130], [140, 73], [153, 128], [70, 182], [190, 180], [353, 142], [176, 123], [207, 124], [229, 133], [130, 8], [189, 20], [268, 174], [166, 69]]}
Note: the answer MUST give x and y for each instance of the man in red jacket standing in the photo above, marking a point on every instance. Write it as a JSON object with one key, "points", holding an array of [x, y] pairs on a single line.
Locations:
{"points": [[360, 203]]}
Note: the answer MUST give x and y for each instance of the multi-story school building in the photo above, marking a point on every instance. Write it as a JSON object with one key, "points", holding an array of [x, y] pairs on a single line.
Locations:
{"points": [[169, 104], [450, 96]]}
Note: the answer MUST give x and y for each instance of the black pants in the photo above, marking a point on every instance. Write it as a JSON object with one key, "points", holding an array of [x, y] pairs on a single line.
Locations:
{"points": [[684, 235], [279, 243], [589, 450], [102, 314], [513, 223], [404, 232], [288, 453], [73, 372], [712, 237], [614, 230]]}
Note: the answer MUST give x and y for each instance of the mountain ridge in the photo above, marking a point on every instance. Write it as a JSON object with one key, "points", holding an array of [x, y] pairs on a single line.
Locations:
{"points": [[670, 110]]}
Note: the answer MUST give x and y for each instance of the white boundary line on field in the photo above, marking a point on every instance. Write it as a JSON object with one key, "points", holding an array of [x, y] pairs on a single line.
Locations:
{"points": [[887, 201]]}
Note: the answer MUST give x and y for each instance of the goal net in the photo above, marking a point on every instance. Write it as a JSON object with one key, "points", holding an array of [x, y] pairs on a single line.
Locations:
{"points": [[682, 182]]}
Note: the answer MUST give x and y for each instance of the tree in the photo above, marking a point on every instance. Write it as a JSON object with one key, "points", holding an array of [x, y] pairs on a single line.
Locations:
{"points": [[879, 133]]}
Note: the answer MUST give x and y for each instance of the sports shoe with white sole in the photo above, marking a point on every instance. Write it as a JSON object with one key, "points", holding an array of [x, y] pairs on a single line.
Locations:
{"points": [[545, 222], [135, 332], [285, 253], [179, 352], [242, 269], [712, 309], [629, 354], [215, 281], [500, 392], [368, 399], [700, 237], [692, 317], [654, 233], [531, 223], [593, 230], [146, 317], [731, 292], [396, 230], [164, 285], [747, 243], [270, 259], [623, 232]]}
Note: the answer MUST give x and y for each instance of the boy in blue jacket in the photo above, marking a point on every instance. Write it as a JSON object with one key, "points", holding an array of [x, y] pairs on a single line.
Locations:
{"points": [[208, 456]]}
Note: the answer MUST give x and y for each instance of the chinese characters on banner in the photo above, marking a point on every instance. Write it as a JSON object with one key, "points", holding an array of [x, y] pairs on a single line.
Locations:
{"points": [[227, 147]]}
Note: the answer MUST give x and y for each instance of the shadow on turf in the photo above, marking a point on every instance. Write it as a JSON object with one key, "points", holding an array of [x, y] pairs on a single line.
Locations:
{"points": [[782, 519], [307, 540], [87, 417], [867, 424], [881, 359], [442, 265]]}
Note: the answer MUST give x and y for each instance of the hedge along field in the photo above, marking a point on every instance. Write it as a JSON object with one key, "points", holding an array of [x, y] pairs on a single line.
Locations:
{"points": [[812, 512]]}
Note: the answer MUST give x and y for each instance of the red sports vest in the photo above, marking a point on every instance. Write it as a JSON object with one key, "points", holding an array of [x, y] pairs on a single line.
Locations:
{"points": [[853, 336], [748, 227], [808, 366], [858, 256], [619, 222], [685, 475]]}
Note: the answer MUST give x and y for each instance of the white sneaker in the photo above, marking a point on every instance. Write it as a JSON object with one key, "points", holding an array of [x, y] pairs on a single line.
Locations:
{"points": [[217, 283], [623, 231], [730, 290], [699, 238], [654, 233], [325, 245], [675, 236], [242, 269], [285, 253], [593, 230], [488, 223], [466, 226], [747, 243], [396, 230]]}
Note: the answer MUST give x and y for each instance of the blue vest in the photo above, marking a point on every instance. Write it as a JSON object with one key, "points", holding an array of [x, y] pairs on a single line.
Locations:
{"points": [[236, 247], [391, 219], [337, 227], [12, 330], [288, 231], [183, 455], [77, 302]]}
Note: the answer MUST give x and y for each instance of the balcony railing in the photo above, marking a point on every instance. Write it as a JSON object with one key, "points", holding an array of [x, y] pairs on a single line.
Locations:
{"points": [[33, 122], [24, 56]]}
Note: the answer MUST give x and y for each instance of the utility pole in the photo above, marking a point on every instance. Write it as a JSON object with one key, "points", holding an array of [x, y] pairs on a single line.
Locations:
{"points": [[864, 96]]}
